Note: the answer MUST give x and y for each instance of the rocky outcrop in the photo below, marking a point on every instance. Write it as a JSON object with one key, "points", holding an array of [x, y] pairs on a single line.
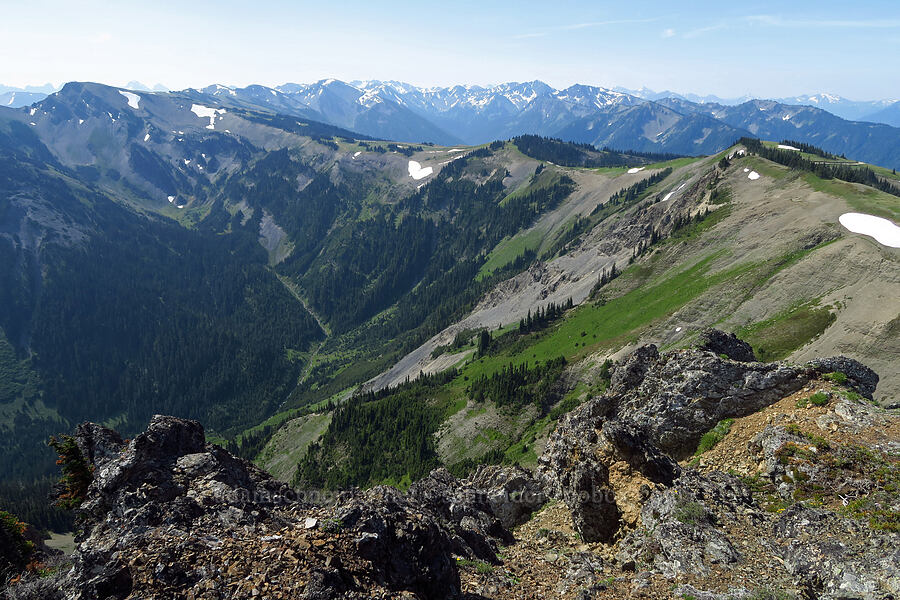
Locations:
{"points": [[859, 376], [166, 511], [168, 515], [833, 557], [726, 344]]}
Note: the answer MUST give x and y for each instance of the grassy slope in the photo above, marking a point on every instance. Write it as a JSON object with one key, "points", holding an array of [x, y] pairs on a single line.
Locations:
{"points": [[686, 270]]}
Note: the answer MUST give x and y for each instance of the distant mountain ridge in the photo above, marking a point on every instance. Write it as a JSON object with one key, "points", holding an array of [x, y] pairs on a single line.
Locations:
{"points": [[651, 122], [642, 120]]}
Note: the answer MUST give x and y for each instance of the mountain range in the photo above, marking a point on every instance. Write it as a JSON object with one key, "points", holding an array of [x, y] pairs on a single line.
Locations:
{"points": [[594, 115], [636, 119], [249, 259]]}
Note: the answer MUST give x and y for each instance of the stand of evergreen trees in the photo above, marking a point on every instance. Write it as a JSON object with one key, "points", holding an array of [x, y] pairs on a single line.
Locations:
{"points": [[377, 437], [516, 386], [633, 193], [575, 154], [846, 172], [543, 316]]}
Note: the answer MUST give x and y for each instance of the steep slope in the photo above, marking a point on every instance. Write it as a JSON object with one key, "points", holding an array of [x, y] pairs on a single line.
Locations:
{"points": [[790, 493], [768, 260]]}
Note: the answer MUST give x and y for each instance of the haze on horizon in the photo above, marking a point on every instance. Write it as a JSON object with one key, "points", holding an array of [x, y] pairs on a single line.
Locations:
{"points": [[761, 49]]}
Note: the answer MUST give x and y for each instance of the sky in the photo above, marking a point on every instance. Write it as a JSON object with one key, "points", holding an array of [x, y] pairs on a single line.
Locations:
{"points": [[731, 49]]}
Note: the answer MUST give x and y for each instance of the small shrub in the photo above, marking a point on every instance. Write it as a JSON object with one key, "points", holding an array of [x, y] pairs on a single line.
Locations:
{"points": [[835, 377], [690, 512], [77, 475], [819, 399], [714, 436], [332, 525]]}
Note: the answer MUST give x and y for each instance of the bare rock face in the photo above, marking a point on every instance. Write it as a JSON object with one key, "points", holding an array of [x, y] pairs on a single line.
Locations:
{"points": [[600, 467], [728, 344], [859, 376], [679, 533], [169, 515], [480, 511], [686, 392], [831, 557]]}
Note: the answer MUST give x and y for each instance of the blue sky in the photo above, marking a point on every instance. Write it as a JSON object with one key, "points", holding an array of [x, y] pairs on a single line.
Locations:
{"points": [[726, 48]]}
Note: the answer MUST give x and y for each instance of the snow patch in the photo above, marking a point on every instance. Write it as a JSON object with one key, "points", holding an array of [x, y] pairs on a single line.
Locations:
{"points": [[746, 170], [134, 101], [784, 147], [753, 175], [357, 153], [885, 232], [417, 172], [147, 137], [187, 161], [32, 111], [171, 198], [80, 121], [633, 170], [205, 112], [677, 329], [669, 195], [456, 150]]}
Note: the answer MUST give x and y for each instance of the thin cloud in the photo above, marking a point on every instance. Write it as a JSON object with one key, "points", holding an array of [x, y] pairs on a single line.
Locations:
{"points": [[775, 21], [702, 30], [588, 25], [668, 33]]}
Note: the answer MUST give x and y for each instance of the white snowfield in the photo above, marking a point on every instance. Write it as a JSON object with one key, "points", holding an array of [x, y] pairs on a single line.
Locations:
{"points": [[753, 175], [784, 147], [205, 112], [134, 101], [634, 170], [885, 232], [417, 172]]}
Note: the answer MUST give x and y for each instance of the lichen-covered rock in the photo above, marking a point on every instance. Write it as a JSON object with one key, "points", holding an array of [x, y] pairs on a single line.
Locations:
{"points": [[169, 515], [834, 557], [686, 392], [728, 344], [680, 526], [859, 376]]}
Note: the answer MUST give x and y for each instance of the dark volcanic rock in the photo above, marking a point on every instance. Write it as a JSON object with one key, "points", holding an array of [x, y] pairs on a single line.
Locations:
{"points": [[728, 344], [167, 513], [686, 392], [408, 550], [630, 374], [859, 376]]}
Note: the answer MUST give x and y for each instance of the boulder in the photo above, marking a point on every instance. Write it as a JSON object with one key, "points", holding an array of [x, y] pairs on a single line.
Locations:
{"points": [[728, 344]]}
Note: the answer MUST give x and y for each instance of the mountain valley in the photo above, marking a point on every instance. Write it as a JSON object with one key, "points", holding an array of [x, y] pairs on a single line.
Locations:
{"points": [[334, 287]]}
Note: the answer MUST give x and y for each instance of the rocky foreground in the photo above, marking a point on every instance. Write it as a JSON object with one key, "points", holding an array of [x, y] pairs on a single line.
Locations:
{"points": [[794, 495]]}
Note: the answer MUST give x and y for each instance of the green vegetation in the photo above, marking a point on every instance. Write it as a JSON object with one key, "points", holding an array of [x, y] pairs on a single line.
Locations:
{"points": [[571, 154], [12, 531], [714, 436], [379, 437], [835, 377], [479, 566], [690, 512], [819, 399], [77, 475], [775, 338], [824, 169]]}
